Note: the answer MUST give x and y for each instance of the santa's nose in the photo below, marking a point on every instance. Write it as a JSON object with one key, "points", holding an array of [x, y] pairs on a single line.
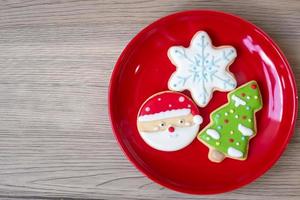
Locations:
{"points": [[171, 129]]}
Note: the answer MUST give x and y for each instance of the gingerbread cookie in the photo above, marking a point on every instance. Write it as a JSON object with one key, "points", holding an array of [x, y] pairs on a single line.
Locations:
{"points": [[202, 68], [168, 121], [233, 125]]}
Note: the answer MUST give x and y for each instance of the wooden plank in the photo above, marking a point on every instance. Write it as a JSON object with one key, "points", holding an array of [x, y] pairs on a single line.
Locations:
{"points": [[55, 63]]}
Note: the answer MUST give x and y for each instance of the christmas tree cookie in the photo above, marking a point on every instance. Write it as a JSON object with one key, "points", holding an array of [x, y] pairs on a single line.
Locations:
{"points": [[233, 125]]}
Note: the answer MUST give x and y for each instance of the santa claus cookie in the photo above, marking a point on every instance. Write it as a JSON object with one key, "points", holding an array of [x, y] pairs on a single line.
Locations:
{"points": [[201, 68], [168, 121], [233, 125]]}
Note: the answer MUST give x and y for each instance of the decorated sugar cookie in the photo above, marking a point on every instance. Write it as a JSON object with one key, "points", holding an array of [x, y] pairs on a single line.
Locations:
{"points": [[202, 68], [168, 121], [233, 125]]}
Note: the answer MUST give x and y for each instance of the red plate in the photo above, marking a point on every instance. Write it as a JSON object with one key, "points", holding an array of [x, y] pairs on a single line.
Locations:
{"points": [[143, 69]]}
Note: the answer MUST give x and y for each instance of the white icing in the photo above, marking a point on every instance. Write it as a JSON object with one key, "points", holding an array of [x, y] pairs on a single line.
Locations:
{"points": [[213, 133], [181, 99], [201, 68], [197, 119], [245, 131], [147, 109], [164, 115], [166, 141], [170, 105], [159, 99], [187, 123], [234, 152], [238, 101]]}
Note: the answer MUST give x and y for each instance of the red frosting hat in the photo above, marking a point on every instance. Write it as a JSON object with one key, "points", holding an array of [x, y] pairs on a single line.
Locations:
{"points": [[167, 105]]}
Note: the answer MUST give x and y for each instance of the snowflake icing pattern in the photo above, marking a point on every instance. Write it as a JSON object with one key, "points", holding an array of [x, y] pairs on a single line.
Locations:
{"points": [[202, 68]]}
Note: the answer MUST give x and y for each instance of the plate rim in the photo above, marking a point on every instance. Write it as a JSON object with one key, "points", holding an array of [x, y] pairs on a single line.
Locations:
{"points": [[117, 67]]}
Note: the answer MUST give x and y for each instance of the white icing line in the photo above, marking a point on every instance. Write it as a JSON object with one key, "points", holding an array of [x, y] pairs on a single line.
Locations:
{"points": [[244, 130], [234, 152], [213, 133], [238, 101], [165, 114]]}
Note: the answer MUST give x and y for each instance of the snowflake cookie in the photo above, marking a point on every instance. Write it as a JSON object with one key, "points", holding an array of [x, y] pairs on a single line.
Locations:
{"points": [[233, 125], [202, 68]]}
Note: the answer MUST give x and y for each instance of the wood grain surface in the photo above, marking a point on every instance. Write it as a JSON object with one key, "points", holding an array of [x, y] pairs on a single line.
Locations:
{"points": [[56, 58]]}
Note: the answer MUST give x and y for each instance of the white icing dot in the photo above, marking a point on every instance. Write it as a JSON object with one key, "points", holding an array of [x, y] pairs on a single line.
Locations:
{"points": [[248, 97], [243, 138], [147, 109], [189, 106], [237, 144], [255, 97], [248, 108], [226, 113], [170, 105], [181, 99], [219, 127], [159, 99], [207, 138], [197, 119], [231, 111], [231, 132], [249, 120], [236, 116]]}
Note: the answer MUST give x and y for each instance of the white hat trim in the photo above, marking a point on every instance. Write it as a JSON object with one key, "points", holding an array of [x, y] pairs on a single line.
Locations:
{"points": [[164, 115]]}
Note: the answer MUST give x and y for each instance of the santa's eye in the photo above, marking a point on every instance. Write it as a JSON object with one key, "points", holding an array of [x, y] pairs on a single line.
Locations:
{"points": [[162, 124], [181, 121]]}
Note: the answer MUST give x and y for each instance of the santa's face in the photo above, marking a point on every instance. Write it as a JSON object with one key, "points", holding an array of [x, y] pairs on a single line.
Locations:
{"points": [[170, 134]]}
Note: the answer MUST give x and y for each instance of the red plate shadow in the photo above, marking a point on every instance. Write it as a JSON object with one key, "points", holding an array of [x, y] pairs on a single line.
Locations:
{"points": [[144, 69]]}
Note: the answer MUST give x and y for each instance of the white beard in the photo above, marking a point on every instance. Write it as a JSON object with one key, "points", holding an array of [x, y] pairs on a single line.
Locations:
{"points": [[166, 141]]}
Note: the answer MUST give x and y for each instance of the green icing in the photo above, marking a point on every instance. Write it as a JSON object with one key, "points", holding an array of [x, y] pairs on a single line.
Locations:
{"points": [[227, 119]]}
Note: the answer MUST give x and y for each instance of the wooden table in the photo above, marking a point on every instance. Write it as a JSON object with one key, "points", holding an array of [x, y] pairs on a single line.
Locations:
{"points": [[56, 58]]}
